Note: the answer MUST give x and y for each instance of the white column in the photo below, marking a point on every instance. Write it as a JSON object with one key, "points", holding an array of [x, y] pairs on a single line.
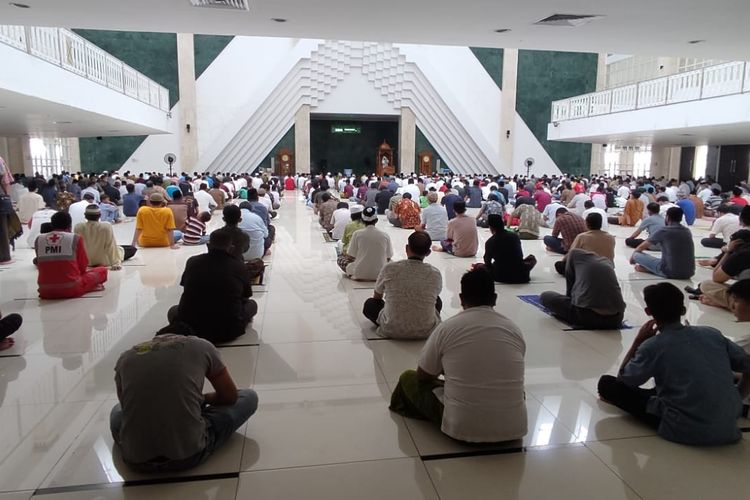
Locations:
{"points": [[15, 155], [508, 110], [407, 141], [597, 151], [187, 157], [302, 139], [75, 154], [665, 161]]}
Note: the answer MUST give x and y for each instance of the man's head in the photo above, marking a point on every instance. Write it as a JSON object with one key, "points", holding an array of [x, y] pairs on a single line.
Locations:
{"points": [[419, 245], [460, 207], [652, 208], [204, 217], [356, 212], [92, 212], [232, 215], [220, 240], [432, 197], [156, 200], [560, 211], [594, 221], [370, 216], [664, 302], [495, 223], [88, 197], [33, 186], [325, 197], [588, 204], [739, 299], [736, 191], [130, 188], [252, 194], [724, 208], [674, 215], [745, 216], [61, 221], [406, 196], [477, 289], [204, 186], [342, 204], [662, 199]]}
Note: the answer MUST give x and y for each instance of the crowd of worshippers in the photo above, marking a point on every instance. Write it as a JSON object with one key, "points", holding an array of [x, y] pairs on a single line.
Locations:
{"points": [[469, 379]]}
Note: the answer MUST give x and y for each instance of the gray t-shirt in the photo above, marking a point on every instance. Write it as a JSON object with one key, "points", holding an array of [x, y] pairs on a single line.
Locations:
{"points": [[592, 283], [677, 251], [160, 386]]}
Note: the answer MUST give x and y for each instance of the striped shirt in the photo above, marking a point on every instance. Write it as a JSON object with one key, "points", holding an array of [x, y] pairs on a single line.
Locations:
{"points": [[194, 230]]}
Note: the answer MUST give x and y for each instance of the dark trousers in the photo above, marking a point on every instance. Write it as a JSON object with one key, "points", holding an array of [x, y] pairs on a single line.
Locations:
{"points": [[562, 307], [129, 251], [614, 220], [633, 242], [630, 399], [373, 306], [554, 244], [9, 325], [250, 310], [271, 237], [712, 242]]}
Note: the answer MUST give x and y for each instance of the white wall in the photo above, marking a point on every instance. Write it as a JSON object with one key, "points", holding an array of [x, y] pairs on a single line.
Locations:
{"points": [[355, 95]]}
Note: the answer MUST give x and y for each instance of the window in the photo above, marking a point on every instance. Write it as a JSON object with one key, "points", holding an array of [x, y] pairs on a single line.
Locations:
{"points": [[50, 155]]}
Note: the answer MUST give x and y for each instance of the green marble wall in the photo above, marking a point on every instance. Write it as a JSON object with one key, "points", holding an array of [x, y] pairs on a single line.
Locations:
{"points": [[544, 77], [331, 152], [207, 48], [422, 144], [154, 55], [492, 61]]}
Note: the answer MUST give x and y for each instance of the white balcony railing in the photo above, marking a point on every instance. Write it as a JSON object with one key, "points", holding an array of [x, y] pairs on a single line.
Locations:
{"points": [[711, 81], [74, 53]]}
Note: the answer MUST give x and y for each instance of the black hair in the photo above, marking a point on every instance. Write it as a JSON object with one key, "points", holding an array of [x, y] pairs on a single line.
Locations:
{"points": [[61, 221], [478, 288], [653, 208], [588, 204], [740, 290], [342, 204], [675, 214], [420, 243], [232, 215], [665, 301], [459, 207], [594, 221]]}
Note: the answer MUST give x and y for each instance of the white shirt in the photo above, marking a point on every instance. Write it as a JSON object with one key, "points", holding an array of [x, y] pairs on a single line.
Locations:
{"points": [[577, 203], [671, 192], [603, 213], [35, 225], [412, 189], [725, 226], [623, 192], [550, 213], [705, 194], [252, 225], [340, 218], [28, 204], [77, 211], [481, 354], [371, 249], [205, 201], [94, 192], [663, 212], [266, 202]]}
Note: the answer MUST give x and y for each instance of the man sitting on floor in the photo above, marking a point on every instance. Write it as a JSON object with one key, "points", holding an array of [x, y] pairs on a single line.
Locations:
{"points": [[652, 223], [195, 229], [480, 353], [696, 400], [569, 225], [461, 238], [8, 326], [327, 207], [340, 219], [63, 263], [491, 206], [369, 250], [408, 212], [594, 240], [411, 289], [503, 254], [677, 251], [434, 218], [529, 220], [734, 264], [727, 223], [215, 301], [633, 212], [154, 225], [593, 298], [164, 422], [99, 238]]}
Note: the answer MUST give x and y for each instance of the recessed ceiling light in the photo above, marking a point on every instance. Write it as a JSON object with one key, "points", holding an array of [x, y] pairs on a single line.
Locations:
{"points": [[502, 30], [20, 5], [693, 42], [278, 19]]}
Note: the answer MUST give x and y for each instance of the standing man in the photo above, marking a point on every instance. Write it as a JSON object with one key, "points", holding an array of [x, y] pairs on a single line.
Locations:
{"points": [[480, 353], [406, 303], [696, 400]]}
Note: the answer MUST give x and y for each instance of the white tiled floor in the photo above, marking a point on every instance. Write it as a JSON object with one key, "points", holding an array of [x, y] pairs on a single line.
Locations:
{"points": [[323, 429]]}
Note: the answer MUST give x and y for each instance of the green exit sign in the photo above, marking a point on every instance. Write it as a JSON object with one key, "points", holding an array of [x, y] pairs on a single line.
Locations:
{"points": [[346, 129]]}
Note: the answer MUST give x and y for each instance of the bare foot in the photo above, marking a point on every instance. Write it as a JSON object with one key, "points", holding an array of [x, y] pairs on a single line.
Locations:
{"points": [[6, 343], [707, 262], [640, 268], [437, 248]]}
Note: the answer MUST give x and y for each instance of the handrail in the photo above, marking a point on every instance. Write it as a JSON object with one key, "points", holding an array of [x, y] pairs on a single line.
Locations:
{"points": [[74, 53], [712, 81]]}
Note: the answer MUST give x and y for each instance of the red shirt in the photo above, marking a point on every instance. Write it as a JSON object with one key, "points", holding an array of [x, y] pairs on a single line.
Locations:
{"points": [[61, 260], [738, 200], [542, 199]]}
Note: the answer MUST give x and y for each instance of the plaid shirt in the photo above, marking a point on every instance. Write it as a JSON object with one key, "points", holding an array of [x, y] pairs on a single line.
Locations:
{"points": [[570, 225], [408, 211]]}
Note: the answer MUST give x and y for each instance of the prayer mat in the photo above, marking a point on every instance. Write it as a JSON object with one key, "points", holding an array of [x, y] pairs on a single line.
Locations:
{"points": [[534, 301]]}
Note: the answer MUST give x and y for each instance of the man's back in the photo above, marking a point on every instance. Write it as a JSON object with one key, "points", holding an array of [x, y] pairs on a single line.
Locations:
{"points": [[216, 285], [435, 219], [463, 231], [592, 283], [569, 225], [411, 288], [160, 383], [155, 222], [696, 398], [101, 247], [677, 250], [481, 354], [600, 242], [130, 204], [371, 249]]}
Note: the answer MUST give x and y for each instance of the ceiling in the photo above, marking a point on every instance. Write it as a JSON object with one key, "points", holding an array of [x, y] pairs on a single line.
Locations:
{"points": [[661, 27], [26, 115], [735, 133]]}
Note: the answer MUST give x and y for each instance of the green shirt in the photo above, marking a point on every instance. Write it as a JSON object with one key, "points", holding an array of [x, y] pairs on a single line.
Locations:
{"points": [[349, 231]]}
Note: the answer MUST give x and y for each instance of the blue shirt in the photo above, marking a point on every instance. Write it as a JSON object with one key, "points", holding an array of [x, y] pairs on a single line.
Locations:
{"points": [[130, 204], [696, 397], [448, 201], [677, 251], [257, 231], [688, 208]]}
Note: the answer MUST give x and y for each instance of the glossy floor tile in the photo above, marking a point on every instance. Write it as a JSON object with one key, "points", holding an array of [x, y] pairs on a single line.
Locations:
{"points": [[399, 479], [324, 378]]}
